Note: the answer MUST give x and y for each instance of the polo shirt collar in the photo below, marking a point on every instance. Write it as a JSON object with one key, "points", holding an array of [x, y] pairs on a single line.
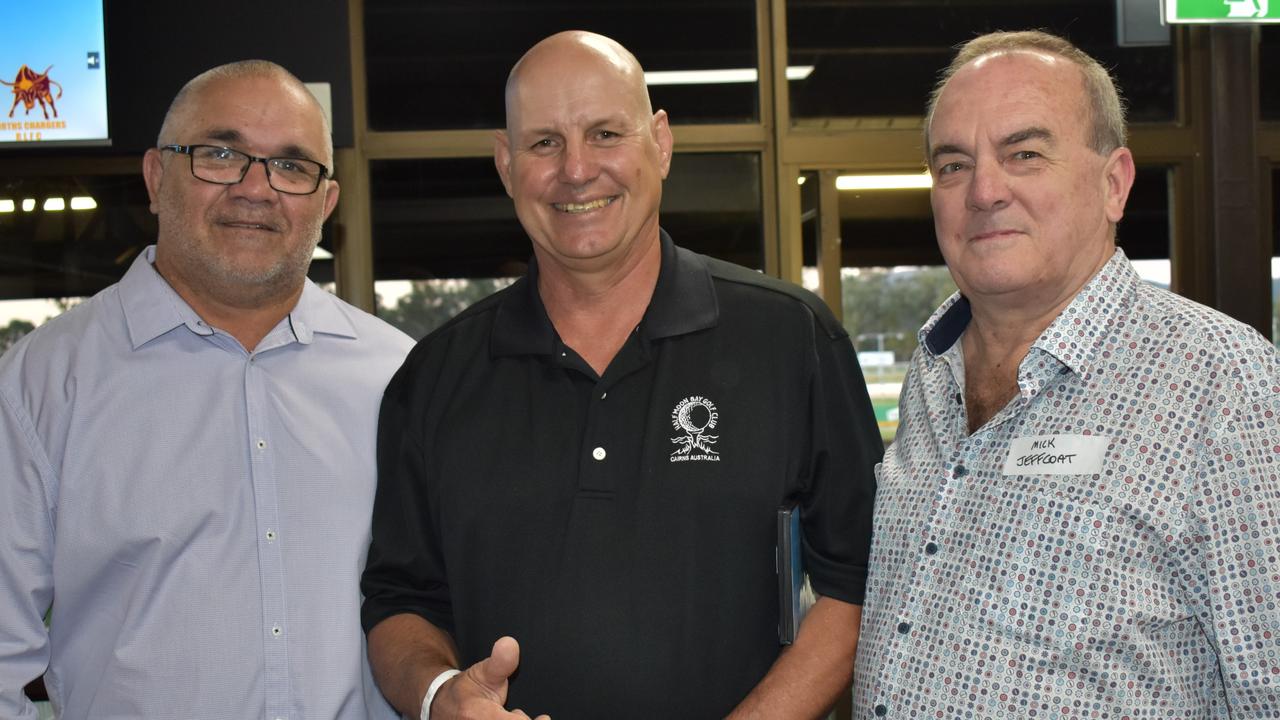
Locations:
{"points": [[1072, 337], [683, 301], [152, 307]]}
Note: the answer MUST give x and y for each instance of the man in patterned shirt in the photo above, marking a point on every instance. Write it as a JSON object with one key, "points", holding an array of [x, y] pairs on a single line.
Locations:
{"points": [[1081, 514]]}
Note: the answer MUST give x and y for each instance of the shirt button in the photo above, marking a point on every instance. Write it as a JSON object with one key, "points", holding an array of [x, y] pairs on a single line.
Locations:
{"points": [[276, 631], [604, 395], [931, 548], [960, 471], [904, 628], [262, 444], [598, 453], [271, 534], [881, 711]]}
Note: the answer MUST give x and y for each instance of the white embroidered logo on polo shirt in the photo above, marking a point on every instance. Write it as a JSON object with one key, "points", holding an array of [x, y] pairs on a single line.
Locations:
{"points": [[695, 415]]}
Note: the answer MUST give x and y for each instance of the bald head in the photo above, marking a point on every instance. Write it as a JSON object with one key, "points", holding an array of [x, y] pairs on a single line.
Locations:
{"points": [[175, 118], [571, 50]]}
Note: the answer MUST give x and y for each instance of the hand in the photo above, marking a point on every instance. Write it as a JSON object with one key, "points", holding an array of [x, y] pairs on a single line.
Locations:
{"points": [[480, 692]]}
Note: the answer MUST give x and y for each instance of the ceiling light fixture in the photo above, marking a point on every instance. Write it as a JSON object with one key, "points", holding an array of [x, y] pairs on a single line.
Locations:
{"points": [[55, 204], [718, 77], [83, 202], [884, 181]]}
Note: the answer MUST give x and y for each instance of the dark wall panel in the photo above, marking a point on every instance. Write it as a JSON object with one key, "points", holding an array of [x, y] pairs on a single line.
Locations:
{"points": [[154, 47]]}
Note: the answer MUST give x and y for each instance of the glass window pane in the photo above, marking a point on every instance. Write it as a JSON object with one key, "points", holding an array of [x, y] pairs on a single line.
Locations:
{"points": [[1269, 72], [882, 57], [68, 236], [447, 220], [443, 65], [884, 308], [63, 238]]}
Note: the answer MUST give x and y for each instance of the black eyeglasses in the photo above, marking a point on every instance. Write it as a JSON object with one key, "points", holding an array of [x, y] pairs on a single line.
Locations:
{"points": [[224, 166]]}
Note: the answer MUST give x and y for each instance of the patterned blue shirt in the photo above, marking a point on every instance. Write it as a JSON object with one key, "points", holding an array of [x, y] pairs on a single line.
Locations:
{"points": [[1106, 546], [197, 515]]}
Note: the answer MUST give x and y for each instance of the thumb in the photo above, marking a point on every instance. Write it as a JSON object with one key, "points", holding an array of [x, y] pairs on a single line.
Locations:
{"points": [[493, 671]]}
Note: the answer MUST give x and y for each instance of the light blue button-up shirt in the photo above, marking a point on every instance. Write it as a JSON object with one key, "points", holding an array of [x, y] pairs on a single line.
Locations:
{"points": [[197, 515]]}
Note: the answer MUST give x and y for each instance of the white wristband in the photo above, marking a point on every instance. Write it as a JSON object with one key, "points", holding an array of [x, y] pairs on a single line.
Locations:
{"points": [[434, 688]]}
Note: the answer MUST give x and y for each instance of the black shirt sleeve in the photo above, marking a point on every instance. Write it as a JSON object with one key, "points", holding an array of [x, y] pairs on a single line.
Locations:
{"points": [[405, 572], [846, 446]]}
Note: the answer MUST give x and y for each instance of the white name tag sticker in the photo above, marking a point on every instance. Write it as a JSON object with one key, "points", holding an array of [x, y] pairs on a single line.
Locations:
{"points": [[1056, 455]]}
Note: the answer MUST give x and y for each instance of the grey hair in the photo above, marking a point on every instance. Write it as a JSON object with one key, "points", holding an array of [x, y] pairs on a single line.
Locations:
{"points": [[1107, 108]]}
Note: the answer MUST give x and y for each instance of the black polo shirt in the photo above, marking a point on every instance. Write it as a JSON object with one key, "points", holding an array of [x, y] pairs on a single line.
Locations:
{"points": [[622, 527]]}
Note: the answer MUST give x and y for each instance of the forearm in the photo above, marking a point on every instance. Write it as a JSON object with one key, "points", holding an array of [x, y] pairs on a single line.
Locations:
{"points": [[406, 653], [809, 676]]}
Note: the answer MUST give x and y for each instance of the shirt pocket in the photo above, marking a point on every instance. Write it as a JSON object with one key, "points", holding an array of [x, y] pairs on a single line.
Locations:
{"points": [[1037, 575]]}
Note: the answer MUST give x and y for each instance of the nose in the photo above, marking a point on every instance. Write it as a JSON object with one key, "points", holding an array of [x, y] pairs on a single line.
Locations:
{"points": [[255, 185], [989, 186], [578, 165]]}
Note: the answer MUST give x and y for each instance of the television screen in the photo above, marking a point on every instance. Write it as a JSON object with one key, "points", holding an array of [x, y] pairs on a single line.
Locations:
{"points": [[52, 64]]}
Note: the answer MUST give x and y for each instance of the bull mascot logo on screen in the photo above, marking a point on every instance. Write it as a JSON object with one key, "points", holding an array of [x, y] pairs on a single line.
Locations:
{"points": [[30, 88]]}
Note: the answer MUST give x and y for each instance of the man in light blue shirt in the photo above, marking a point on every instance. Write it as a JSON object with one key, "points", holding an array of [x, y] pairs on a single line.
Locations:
{"points": [[187, 459]]}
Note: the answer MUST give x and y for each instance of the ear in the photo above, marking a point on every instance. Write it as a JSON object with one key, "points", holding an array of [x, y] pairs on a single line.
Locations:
{"points": [[502, 158], [662, 135], [1118, 176], [152, 175], [330, 198]]}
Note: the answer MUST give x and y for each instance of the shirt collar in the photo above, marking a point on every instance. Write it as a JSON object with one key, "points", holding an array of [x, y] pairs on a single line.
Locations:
{"points": [[152, 307], [683, 301], [1076, 334], [1072, 337], [946, 325]]}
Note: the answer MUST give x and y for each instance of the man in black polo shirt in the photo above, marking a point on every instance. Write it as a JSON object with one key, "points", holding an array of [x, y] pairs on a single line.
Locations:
{"points": [[590, 461]]}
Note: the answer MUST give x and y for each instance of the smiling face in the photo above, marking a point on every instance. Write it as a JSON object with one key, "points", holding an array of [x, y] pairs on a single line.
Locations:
{"points": [[245, 244], [583, 157], [1024, 210]]}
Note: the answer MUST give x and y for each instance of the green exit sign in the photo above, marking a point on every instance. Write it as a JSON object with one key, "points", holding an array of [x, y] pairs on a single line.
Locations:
{"points": [[1222, 11]]}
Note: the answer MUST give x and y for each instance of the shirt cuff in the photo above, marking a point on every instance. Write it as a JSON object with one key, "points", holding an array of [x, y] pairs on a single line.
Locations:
{"points": [[434, 688]]}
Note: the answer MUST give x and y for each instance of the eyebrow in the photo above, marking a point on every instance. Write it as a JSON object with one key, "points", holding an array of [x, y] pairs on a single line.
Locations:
{"points": [[618, 120], [231, 136], [946, 150], [1034, 132]]}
